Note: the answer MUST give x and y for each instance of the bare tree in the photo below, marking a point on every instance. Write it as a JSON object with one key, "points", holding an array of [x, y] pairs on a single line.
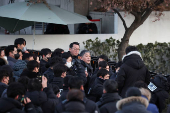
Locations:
{"points": [[140, 9]]}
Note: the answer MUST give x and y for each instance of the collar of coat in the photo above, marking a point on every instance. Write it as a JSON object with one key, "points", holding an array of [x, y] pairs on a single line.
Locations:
{"points": [[132, 52], [140, 99]]}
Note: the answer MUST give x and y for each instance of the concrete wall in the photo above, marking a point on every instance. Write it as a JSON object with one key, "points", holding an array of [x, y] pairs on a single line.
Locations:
{"points": [[51, 41]]}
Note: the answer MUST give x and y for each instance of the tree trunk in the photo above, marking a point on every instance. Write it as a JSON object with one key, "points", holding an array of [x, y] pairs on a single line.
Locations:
{"points": [[125, 42]]}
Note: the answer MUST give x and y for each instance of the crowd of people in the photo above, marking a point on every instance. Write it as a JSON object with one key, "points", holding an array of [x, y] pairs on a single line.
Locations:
{"points": [[65, 82]]}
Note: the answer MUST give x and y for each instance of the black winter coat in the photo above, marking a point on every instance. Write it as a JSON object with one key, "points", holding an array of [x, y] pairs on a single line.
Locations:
{"points": [[52, 101], [64, 94], [13, 106], [96, 91], [74, 107], [132, 70], [79, 70], [49, 74], [89, 68], [2, 88], [107, 103], [43, 67], [45, 99], [58, 81], [159, 95], [94, 76], [90, 106], [132, 105], [37, 97]]}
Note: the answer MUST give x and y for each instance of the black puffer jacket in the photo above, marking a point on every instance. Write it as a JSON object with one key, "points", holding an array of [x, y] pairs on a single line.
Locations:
{"points": [[58, 81], [52, 101], [74, 107], [9, 105], [79, 70], [94, 76], [89, 68], [132, 70], [96, 91], [45, 100], [49, 74], [132, 105], [37, 97], [107, 103], [43, 67], [90, 106], [160, 95]]}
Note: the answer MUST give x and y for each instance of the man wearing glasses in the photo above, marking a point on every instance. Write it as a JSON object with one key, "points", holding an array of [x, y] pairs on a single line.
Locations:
{"points": [[74, 49]]}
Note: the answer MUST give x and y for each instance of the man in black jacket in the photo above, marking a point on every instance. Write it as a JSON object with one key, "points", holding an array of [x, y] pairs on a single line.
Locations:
{"points": [[75, 102], [49, 74], [32, 70], [103, 58], [59, 74], [12, 104], [42, 96], [107, 103], [96, 90], [132, 70], [46, 55], [102, 65], [77, 68], [65, 88], [76, 83], [161, 93], [11, 52], [74, 49]]}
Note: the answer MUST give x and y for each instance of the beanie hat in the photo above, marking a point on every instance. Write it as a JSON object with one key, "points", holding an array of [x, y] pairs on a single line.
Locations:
{"points": [[133, 91]]}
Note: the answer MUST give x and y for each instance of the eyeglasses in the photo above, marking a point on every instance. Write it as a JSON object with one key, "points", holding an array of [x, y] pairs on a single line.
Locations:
{"points": [[76, 49]]}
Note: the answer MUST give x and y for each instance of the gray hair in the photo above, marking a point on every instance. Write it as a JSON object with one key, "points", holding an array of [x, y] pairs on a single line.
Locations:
{"points": [[83, 52]]}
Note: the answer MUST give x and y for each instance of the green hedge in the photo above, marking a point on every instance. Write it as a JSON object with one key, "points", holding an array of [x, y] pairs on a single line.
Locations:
{"points": [[156, 55]]}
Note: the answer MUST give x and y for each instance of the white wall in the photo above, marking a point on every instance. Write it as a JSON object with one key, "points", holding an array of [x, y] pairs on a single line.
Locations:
{"points": [[150, 31], [51, 41]]}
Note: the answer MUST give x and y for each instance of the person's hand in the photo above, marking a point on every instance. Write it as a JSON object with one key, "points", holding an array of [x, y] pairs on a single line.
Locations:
{"points": [[27, 100], [90, 30], [86, 73], [117, 69], [26, 52], [44, 82]]}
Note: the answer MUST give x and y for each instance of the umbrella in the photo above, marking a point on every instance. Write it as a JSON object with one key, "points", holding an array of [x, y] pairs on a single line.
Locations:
{"points": [[17, 16]]}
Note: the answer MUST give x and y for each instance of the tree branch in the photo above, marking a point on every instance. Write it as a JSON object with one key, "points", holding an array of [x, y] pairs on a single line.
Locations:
{"points": [[134, 13], [120, 16], [145, 15], [158, 2], [148, 11]]}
